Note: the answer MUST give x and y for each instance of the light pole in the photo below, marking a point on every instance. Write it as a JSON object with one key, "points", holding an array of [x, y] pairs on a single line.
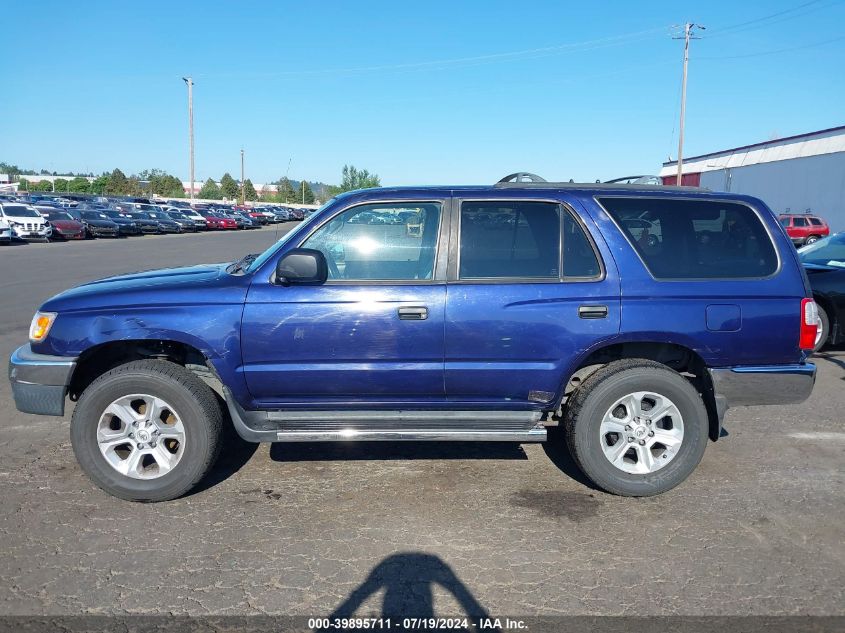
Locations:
{"points": [[190, 82], [243, 191], [688, 27]]}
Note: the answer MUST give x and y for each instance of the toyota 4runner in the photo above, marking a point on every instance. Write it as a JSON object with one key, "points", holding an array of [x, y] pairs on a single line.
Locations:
{"points": [[631, 315]]}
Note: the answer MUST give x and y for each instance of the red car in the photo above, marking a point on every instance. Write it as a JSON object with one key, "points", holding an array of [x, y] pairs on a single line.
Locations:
{"points": [[803, 228], [216, 222], [65, 227]]}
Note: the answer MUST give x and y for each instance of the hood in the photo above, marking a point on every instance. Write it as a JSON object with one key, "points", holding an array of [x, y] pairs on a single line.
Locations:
{"points": [[163, 286], [100, 222], [66, 224]]}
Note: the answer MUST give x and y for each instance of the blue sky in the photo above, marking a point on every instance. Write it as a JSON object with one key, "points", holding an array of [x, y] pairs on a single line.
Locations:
{"points": [[418, 92]]}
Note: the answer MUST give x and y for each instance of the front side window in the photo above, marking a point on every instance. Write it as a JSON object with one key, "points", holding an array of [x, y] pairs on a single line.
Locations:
{"points": [[695, 239], [799, 222], [385, 241], [510, 239]]}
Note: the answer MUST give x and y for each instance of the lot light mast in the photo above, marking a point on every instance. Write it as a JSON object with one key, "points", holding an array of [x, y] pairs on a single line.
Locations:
{"points": [[190, 82], [688, 35], [243, 191]]}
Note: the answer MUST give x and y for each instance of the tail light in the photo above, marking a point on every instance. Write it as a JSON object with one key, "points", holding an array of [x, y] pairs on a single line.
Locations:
{"points": [[809, 324]]}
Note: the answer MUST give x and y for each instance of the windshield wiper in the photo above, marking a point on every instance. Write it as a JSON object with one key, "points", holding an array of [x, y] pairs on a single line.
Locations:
{"points": [[242, 264]]}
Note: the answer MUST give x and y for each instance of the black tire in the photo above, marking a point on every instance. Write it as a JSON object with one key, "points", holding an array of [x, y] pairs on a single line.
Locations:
{"points": [[812, 239], [824, 326], [198, 408], [590, 402]]}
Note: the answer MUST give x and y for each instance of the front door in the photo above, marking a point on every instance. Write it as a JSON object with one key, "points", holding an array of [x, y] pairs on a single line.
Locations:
{"points": [[527, 294], [372, 334]]}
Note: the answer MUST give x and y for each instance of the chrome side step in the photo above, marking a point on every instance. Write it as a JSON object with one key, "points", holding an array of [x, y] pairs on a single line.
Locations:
{"points": [[383, 426]]}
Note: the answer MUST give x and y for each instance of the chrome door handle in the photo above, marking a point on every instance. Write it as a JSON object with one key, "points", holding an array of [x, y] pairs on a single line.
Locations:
{"points": [[592, 312], [413, 313]]}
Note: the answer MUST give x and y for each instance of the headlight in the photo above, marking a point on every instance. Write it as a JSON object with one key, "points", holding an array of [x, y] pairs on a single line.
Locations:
{"points": [[40, 326]]}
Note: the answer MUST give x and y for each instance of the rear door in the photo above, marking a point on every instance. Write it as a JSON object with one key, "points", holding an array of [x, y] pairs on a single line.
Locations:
{"points": [[528, 293]]}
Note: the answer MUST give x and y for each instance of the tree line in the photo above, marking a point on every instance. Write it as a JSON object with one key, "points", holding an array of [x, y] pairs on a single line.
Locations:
{"points": [[159, 182]]}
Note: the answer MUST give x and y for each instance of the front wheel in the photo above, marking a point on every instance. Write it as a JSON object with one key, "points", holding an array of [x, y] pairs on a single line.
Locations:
{"points": [[636, 428], [148, 430]]}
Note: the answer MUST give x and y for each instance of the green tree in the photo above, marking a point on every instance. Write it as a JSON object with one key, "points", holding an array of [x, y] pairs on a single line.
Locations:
{"points": [[285, 191], [118, 184], [61, 184], [229, 187], [41, 185], [210, 191], [249, 190], [79, 185], [354, 178], [100, 184], [305, 195], [162, 183], [23, 183]]}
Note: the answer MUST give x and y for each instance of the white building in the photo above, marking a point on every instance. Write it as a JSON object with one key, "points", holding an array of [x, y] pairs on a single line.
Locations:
{"points": [[792, 175]]}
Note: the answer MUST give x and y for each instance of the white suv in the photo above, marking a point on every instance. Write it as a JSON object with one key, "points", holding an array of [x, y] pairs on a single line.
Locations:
{"points": [[5, 231], [25, 221]]}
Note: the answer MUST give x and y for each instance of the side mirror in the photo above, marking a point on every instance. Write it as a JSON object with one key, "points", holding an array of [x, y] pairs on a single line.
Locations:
{"points": [[302, 267]]}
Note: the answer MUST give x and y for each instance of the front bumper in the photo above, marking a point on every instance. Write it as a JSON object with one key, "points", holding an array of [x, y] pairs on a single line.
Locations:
{"points": [[762, 384], [33, 234], [40, 382]]}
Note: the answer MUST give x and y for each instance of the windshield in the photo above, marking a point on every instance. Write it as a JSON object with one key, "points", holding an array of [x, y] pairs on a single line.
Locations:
{"points": [[829, 251], [94, 215], [20, 211], [302, 228], [58, 215]]}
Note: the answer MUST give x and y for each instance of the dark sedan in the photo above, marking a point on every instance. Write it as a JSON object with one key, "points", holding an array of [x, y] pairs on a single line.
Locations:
{"points": [[824, 262], [125, 225], [144, 222], [187, 224], [98, 224], [167, 224]]}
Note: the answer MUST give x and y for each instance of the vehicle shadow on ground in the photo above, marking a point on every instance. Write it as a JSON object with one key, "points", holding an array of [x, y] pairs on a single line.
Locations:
{"points": [[832, 355], [235, 453], [408, 580], [354, 451], [558, 452]]}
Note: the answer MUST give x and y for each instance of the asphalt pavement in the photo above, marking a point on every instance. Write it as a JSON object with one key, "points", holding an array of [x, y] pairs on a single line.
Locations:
{"points": [[311, 530]]}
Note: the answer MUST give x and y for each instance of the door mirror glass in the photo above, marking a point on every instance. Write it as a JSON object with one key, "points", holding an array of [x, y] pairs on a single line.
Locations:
{"points": [[302, 267]]}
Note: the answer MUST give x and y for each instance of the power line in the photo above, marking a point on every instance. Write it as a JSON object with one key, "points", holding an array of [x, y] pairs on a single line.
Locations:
{"points": [[768, 20], [781, 50]]}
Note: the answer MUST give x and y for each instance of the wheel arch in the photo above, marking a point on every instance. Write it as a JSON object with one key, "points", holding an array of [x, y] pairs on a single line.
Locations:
{"points": [[675, 356]]}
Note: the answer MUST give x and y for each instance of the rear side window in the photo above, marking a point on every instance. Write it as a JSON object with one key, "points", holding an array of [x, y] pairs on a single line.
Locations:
{"points": [[695, 239], [815, 221], [799, 221]]}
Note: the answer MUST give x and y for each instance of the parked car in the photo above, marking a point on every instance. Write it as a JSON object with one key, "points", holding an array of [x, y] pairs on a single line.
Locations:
{"points": [[187, 224], [217, 222], [457, 329], [167, 224], [244, 221], [146, 223], [824, 262], [803, 228], [25, 221], [199, 220], [125, 226], [65, 226], [5, 231], [98, 224], [282, 214]]}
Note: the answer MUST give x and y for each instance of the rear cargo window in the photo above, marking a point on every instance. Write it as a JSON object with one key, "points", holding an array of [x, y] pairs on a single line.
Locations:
{"points": [[695, 239]]}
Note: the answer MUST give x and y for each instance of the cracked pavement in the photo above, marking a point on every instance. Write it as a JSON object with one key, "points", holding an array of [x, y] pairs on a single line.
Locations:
{"points": [[301, 529]]}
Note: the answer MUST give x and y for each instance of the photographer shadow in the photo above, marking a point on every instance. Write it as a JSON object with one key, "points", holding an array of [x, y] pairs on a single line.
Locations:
{"points": [[408, 580]]}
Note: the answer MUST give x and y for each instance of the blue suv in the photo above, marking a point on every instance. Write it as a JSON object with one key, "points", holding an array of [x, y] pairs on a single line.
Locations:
{"points": [[631, 315]]}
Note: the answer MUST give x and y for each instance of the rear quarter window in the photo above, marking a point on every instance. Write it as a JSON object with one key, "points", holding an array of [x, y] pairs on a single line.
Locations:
{"points": [[695, 239]]}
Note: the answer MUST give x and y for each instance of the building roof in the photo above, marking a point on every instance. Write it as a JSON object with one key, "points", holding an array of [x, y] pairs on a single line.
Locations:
{"points": [[827, 141]]}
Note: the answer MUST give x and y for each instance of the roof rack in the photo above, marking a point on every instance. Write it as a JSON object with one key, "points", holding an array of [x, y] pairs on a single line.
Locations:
{"points": [[527, 180]]}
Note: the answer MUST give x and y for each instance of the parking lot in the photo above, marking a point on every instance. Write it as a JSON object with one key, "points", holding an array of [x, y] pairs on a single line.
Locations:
{"points": [[298, 529]]}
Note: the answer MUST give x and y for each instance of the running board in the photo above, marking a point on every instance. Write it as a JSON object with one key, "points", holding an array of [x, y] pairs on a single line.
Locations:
{"points": [[381, 426]]}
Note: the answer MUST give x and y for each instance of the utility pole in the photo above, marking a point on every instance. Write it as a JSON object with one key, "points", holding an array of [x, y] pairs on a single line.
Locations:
{"points": [[688, 35], [190, 82], [243, 191]]}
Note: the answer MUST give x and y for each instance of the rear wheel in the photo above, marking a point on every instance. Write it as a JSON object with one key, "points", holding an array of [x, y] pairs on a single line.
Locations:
{"points": [[823, 329], [636, 428], [147, 431], [812, 239]]}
